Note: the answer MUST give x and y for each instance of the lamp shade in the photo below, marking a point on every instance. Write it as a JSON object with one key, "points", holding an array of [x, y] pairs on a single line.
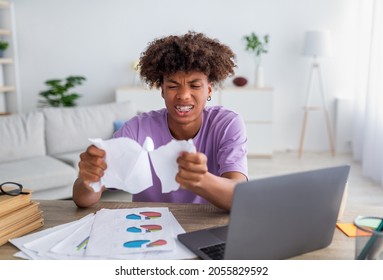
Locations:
{"points": [[317, 43]]}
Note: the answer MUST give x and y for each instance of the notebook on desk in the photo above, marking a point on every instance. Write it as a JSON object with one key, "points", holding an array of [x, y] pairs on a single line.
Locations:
{"points": [[276, 218]]}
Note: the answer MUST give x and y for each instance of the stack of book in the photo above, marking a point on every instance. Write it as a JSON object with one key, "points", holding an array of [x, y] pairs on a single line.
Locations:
{"points": [[19, 215]]}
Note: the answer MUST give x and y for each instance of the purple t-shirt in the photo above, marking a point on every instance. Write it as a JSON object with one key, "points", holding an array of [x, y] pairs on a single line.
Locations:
{"points": [[222, 138]]}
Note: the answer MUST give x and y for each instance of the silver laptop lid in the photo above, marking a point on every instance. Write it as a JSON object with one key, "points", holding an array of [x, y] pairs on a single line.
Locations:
{"points": [[284, 216]]}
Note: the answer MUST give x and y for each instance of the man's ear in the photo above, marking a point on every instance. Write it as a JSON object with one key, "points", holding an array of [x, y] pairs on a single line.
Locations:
{"points": [[210, 88], [162, 91]]}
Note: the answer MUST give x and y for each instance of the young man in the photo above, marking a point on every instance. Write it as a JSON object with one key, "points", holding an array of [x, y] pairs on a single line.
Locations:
{"points": [[185, 68]]}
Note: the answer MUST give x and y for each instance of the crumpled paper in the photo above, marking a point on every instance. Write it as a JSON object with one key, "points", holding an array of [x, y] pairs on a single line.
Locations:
{"points": [[128, 165]]}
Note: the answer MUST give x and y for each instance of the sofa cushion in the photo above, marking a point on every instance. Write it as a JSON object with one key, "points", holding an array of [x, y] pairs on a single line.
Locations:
{"points": [[68, 129], [38, 173], [70, 158], [22, 136]]}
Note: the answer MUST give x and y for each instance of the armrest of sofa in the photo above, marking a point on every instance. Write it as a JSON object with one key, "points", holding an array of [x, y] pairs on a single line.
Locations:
{"points": [[22, 136]]}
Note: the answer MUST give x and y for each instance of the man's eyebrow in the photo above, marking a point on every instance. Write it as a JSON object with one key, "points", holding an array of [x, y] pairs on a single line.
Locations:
{"points": [[172, 81], [189, 82], [195, 80]]}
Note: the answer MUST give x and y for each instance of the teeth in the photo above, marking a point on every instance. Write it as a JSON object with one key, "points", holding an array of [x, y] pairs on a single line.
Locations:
{"points": [[184, 108]]}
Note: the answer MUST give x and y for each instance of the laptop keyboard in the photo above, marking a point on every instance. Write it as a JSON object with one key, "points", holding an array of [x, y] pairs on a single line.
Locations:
{"points": [[215, 252]]}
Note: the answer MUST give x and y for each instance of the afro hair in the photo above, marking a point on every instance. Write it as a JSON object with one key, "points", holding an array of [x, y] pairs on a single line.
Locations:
{"points": [[187, 53]]}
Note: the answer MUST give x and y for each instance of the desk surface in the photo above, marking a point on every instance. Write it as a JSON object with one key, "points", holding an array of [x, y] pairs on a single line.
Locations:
{"points": [[193, 217]]}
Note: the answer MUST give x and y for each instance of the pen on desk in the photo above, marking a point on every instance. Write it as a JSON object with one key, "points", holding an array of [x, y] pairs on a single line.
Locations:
{"points": [[370, 243]]}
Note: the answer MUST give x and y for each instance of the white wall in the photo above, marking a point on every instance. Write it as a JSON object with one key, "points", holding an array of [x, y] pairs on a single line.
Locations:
{"points": [[100, 39]]}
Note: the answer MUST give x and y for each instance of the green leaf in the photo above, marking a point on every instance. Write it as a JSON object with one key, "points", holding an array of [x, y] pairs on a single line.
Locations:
{"points": [[57, 93], [3, 45], [255, 44]]}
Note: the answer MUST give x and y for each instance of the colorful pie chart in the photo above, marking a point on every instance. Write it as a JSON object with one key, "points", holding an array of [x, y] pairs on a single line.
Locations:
{"points": [[141, 243], [148, 215], [144, 228]]}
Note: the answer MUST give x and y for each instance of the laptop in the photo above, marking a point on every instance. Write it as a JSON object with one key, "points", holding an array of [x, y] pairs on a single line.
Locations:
{"points": [[276, 217]]}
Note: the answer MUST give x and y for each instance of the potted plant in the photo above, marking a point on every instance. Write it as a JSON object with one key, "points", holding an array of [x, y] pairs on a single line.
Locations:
{"points": [[257, 45], [58, 95], [3, 46]]}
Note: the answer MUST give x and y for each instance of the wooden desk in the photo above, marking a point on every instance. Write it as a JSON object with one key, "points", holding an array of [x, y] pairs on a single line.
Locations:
{"points": [[190, 216], [193, 217]]}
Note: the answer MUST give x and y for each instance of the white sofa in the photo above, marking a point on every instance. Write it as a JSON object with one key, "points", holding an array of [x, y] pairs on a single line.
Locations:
{"points": [[41, 149]]}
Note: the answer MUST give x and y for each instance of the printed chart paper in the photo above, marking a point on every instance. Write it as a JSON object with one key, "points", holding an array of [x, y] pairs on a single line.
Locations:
{"points": [[71, 241], [37, 245], [130, 231]]}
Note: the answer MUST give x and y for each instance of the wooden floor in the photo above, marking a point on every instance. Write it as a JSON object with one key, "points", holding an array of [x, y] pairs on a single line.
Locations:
{"points": [[361, 191]]}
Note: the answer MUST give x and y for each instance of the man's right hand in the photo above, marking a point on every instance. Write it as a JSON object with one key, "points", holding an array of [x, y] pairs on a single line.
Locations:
{"points": [[92, 164]]}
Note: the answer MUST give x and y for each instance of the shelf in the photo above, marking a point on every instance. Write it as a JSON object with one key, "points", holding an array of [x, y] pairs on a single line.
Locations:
{"points": [[7, 88], [247, 87], [9, 94], [4, 4], [5, 31], [5, 60]]}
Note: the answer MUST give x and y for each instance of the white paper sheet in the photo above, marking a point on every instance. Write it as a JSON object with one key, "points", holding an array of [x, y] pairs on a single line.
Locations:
{"points": [[67, 241], [43, 244], [164, 161], [37, 253], [75, 243], [130, 231], [128, 165], [180, 251]]}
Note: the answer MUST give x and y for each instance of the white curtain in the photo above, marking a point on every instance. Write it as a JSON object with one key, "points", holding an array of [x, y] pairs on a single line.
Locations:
{"points": [[368, 121]]}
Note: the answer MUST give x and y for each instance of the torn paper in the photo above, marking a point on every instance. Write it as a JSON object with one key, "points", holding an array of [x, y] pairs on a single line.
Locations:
{"points": [[128, 165]]}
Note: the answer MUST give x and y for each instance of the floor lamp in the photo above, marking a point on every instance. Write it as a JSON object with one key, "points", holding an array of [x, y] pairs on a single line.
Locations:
{"points": [[317, 44]]}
